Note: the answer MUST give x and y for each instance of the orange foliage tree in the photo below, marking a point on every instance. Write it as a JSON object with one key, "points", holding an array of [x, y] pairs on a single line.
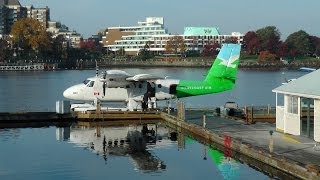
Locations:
{"points": [[28, 33], [267, 56], [176, 45]]}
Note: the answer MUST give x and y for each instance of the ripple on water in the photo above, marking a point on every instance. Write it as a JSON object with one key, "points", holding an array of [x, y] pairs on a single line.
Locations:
{"points": [[9, 134]]}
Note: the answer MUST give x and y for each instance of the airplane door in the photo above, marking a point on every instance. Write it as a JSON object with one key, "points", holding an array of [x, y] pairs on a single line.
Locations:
{"points": [[173, 89]]}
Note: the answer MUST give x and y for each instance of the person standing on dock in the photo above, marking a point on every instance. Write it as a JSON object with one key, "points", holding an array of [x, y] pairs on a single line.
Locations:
{"points": [[145, 100]]}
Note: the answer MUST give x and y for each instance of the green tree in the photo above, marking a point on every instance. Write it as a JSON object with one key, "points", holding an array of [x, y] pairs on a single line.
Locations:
{"points": [[29, 34], [4, 50], [300, 41], [269, 38], [58, 49], [145, 53]]}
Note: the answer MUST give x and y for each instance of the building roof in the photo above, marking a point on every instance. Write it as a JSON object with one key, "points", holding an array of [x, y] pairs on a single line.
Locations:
{"points": [[14, 3], [201, 31], [305, 86]]}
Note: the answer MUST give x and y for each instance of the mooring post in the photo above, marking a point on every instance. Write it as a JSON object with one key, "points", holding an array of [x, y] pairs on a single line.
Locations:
{"points": [[269, 108], [251, 115], [181, 111], [204, 152], [204, 121], [271, 142], [98, 131]]}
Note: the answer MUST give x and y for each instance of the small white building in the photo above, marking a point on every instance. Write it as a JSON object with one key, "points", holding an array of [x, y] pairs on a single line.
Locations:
{"points": [[298, 113]]}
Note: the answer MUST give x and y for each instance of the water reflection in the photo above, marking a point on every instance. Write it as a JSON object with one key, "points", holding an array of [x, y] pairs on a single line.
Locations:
{"points": [[137, 143], [152, 150], [134, 141]]}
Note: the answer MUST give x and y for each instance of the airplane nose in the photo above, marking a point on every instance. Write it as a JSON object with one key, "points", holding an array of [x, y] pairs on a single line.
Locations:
{"points": [[67, 93]]}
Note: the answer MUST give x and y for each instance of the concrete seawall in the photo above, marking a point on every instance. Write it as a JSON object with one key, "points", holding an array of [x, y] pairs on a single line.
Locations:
{"points": [[204, 62], [291, 167]]}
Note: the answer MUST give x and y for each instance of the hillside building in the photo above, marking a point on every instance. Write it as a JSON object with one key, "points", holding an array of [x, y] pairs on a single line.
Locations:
{"points": [[132, 39], [40, 14], [11, 11]]}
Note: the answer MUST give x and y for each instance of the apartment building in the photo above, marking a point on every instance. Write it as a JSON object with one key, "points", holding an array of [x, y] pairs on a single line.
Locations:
{"points": [[133, 38], [2, 17], [72, 38], [196, 38], [11, 11], [40, 14]]}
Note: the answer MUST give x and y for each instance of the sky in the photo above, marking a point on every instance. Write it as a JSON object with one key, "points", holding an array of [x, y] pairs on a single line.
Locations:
{"points": [[89, 16]]}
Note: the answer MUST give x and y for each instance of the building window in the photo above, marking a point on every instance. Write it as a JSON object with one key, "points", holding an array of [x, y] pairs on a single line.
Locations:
{"points": [[292, 104]]}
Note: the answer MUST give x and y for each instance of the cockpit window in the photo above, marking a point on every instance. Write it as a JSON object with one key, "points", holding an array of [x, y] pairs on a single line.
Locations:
{"points": [[86, 81], [90, 84]]}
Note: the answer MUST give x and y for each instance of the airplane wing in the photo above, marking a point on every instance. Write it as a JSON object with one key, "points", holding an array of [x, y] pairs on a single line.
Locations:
{"points": [[114, 75], [143, 77]]}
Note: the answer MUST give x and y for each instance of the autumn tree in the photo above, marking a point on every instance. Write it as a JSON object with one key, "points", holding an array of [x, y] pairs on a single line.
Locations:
{"points": [[211, 49], [232, 39], [283, 50], [269, 38], [267, 56], [176, 45], [30, 34], [251, 43], [315, 42], [300, 41]]}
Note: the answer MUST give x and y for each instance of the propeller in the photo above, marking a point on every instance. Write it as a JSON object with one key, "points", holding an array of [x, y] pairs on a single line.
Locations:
{"points": [[104, 85]]}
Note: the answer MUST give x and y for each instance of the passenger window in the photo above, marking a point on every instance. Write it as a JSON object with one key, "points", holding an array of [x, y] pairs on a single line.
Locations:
{"points": [[159, 85], [91, 83], [86, 81]]}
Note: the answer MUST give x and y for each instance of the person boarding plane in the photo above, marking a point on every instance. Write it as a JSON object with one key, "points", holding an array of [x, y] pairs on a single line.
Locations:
{"points": [[119, 86]]}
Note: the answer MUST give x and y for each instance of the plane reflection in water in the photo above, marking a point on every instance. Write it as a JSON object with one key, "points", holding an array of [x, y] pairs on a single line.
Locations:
{"points": [[133, 141]]}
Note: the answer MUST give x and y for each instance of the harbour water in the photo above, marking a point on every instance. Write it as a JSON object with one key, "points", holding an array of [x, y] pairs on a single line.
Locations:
{"points": [[78, 152]]}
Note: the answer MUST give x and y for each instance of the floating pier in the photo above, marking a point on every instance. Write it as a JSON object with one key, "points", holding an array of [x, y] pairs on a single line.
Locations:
{"points": [[116, 115], [34, 119]]}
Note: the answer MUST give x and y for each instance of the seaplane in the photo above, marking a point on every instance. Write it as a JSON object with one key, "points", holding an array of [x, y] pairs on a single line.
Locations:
{"points": [[133, 90]]}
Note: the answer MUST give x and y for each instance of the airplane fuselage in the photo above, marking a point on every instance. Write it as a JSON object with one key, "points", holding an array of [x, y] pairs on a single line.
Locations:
{"points": [[93, 89]]}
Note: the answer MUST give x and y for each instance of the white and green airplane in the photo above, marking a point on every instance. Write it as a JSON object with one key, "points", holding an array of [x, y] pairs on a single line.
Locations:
{"points": [[119, 86]]}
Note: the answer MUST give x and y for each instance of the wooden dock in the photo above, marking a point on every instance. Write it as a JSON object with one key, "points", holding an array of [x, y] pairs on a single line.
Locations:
{"points": [[115, 115], [34, 119], [40, 119]]}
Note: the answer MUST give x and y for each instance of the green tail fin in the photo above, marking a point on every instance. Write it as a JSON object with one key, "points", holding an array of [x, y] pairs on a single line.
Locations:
{"points": [[226, 63], [221, 76]]}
